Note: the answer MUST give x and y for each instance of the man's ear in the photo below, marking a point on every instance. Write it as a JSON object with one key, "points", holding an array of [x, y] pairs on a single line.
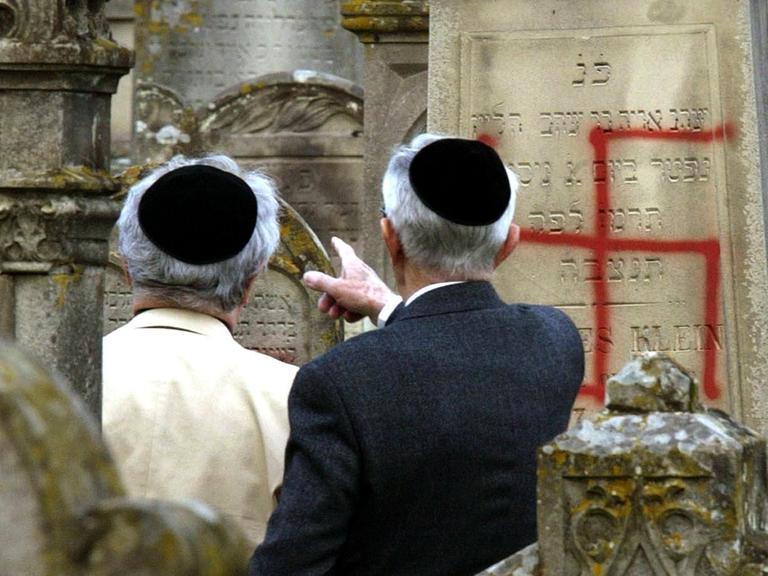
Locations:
{"points": [[248, 287], [126, 274], [392, 241], [513, 239]]}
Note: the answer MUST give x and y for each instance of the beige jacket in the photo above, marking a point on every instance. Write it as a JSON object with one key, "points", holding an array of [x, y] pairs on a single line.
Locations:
{"points": [[189, 413]]}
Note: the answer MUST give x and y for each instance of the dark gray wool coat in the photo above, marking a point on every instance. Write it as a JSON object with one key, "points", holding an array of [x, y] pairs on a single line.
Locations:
{"points": [[412, 448]]}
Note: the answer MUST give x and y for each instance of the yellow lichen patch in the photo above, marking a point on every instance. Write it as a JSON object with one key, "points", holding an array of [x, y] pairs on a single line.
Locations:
{"points": [[246, 88], [193, 19], [64, 280], [138, 9], [157, 26]]}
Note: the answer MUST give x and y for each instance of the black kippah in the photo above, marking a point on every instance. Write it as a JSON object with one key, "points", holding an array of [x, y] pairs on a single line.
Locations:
{"points": [[464, 181], [199, 214]]}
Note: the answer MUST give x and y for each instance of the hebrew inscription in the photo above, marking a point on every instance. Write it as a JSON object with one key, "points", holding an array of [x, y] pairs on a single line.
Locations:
{"points": [[201, 48], [619, 166]]}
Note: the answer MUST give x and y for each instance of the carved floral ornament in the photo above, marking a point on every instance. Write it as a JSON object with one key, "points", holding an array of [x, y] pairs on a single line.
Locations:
{"points": [[40, 20], [654, 485], [44, 231], [296, 103], [281, 107], [24, 234]]}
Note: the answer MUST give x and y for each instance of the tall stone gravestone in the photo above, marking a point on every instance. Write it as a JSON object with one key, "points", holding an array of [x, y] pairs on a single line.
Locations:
{"points": [[59, 67], [632, 125], [200, 48]]}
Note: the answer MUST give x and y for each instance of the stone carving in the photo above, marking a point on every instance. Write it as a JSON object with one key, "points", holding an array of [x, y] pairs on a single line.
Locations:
{"points": [[63, 509], [58, 21], [13, 18], [282, 103], [653, 485], [46, 231]]}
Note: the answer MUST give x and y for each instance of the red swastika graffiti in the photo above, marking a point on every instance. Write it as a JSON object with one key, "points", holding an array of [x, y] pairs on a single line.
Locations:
{"points": [[601, 243]]}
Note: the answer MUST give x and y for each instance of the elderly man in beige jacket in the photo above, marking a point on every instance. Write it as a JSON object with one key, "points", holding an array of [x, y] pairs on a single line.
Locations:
{"points": [[187, 411]]}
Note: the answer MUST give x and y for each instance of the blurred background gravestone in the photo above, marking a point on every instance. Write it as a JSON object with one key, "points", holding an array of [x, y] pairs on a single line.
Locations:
{"points": [[654, 485], [63, 509], [303, 128], [226, 69], [199, 48], [635, 129]]}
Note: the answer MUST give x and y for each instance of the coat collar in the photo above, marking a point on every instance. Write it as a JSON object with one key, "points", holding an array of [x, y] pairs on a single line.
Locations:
{"points": [[180, 319], [471, 295]]}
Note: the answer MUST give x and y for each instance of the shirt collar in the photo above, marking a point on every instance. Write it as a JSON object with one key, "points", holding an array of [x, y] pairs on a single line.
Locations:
{"points": [[181, 319], [428, 288]]}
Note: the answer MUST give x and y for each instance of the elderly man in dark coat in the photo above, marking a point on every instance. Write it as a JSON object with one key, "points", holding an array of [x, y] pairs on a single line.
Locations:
{"points": [[412, 447]]}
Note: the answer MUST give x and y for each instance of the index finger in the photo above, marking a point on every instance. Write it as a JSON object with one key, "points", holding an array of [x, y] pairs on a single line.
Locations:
{"points": [[344, 250]]}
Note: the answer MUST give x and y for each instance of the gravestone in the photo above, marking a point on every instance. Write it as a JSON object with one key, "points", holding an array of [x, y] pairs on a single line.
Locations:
{"points": [[63, 509], [281, 317], [302, 128], [305, 130], [655, 484], [200, 48], [633, 128]]}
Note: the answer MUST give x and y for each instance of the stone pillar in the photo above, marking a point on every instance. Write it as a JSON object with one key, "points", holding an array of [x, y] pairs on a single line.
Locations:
{"points": [[58, 70], [395, 36]]}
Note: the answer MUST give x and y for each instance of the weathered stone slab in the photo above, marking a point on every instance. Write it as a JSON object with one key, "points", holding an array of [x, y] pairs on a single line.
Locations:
{"points": [[633, 129], [305, 130], [281, 318], [201, 47]]}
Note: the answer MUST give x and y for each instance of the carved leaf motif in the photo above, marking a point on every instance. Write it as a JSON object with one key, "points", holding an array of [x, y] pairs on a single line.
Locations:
{"points": [[308, 113], [255, 114], [275, 109]]}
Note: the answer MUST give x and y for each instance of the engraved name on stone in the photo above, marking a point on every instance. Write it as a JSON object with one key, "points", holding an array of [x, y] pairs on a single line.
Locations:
{"points": [[539, 97]]}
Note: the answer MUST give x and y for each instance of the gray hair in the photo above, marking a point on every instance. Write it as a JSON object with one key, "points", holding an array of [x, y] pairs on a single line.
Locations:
{"points": [[219, 286], [430, 241]]}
